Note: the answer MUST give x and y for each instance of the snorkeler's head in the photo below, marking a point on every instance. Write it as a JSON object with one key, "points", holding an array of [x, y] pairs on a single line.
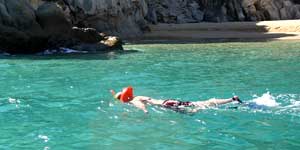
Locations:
{"points": [[118, 95]]}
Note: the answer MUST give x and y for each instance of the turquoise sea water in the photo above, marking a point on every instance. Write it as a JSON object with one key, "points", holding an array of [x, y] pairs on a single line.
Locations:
{"points": [[63, 102]]}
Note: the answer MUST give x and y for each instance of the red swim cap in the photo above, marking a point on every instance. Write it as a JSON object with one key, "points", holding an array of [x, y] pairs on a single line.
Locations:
{"points": [[126, 95]]}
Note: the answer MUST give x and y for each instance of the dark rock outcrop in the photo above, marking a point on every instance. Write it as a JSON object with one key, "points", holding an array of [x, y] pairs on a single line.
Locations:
{"points": [[27, 28], [52, 19], [87, 35], [91, 40], [19, 30], [124, 18], [13, 40]]}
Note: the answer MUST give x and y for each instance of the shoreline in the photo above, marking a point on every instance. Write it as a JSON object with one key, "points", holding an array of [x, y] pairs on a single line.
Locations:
{"points": [[202, 41], [222, 32]]}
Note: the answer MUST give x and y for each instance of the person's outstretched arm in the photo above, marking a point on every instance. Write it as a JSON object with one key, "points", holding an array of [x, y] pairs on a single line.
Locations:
{"points": [[213, 102]]}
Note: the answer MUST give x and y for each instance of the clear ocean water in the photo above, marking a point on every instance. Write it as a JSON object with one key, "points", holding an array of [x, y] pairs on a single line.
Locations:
{"points": [[62, 102]]}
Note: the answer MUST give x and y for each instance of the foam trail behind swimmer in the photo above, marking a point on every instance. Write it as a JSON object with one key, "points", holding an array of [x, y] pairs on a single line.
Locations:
{"points": [[266, 100], [294, 104]]}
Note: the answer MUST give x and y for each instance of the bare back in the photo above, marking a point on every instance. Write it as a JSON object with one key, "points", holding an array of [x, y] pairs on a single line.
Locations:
{"points": [[141, 101]]}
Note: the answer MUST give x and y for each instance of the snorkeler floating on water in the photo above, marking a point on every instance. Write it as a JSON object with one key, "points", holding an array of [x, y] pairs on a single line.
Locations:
{"points": [[126, 96]]}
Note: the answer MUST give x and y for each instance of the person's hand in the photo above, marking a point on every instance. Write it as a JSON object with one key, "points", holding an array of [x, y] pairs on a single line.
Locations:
{"points": [[112, 92], [236, 98]]}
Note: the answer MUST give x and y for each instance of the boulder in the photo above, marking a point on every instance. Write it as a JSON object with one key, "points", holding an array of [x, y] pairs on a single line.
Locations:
{"points": [[18, 42], [197, 14], [24, 30], [151, 15], [117, 17], [211, 16], [107, 44], [112, 42], [297, 8], [272, 12], [86, 35], [19, 31], [35, 3], [90, 47], [239, 11], [58, 41], [284, 13], [250, 10], [52, 19], [5, 18], [22, 16]]}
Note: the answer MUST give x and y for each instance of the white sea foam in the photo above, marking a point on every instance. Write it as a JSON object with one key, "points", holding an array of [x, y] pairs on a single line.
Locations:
{"points": [[267, 100], [200, 121], [68, 50], [127, 110], [294, 104], [12, 100], [173, 122], [110, 104], [46, 148], [44, 137], [61, 50]]}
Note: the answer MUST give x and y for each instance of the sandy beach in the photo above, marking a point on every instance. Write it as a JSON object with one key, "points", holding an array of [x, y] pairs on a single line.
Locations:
{"points": [[232, 31]]}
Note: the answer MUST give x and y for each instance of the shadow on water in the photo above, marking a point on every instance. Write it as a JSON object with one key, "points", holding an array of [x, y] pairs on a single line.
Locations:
{"points": [[80, 56], [216, 33]]}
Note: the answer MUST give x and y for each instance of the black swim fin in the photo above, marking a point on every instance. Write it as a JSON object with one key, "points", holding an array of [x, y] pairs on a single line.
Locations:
{"points": [[239, 101]]}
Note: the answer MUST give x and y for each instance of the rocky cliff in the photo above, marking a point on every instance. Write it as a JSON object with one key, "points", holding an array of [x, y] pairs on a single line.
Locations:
{"points": [[192, 11], [120, 17], [29, 26]]}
